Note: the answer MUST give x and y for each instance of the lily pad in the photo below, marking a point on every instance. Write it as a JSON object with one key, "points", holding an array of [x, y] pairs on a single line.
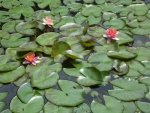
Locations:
{"points": [[7, 77], [51, 108], [3, 95], [44, 76], [34, 105], [59, 47], [143, 106], [25, 92], [61, 98], [83, 108], [2, 105], [128, 90], [111, 106], [91, 10], [47, 39], [26, 28], [16, 12], [14, 40], [123, 55]]}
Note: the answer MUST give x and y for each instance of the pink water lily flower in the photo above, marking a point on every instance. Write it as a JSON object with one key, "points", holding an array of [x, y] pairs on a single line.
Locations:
{"points": [[111, 34], [30, 58], [48, 21]]}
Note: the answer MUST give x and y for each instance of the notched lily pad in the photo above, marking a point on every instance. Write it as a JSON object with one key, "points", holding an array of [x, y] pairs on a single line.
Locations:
{"points": [[47, 39], [123, 55]]}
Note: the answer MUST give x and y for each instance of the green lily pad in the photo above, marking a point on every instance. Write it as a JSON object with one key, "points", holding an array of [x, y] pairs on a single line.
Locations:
{"points": [[141, 31], [72, 72], [62, 10], [143, 106], [96, 31], [129, 107], [111, 106], [10, 4], [3, 95], [68, 1], [108, 16], [83, 108], [68, 86], [44, 3], [74, 7], [2, 105], [25, 92], [16, 12], [88, 1], [10, 26], [123, 55], [34, 105], [115, 23], [61, 98], [4, 16], [121, 68], [27, 2], [79, 18], [59, 47], [6, 111], [91, 10], [26, 28], [139, 9], [64, 20], [124, 38], [100, 1], [11, 76], [99, 57], [128, 90], [51, 108], [93, 21], [14, 40], [92, 76], [71, 29], [44, 75], [47, 39]]}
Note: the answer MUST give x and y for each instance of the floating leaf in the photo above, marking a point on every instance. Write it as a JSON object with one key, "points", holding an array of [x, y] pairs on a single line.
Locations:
{"points": [[51, 108], [143, 106], [123, 55], [129, 107], [61, 98], [115, 23], [2, 105], [14, 40], [44, 75], [83, 108], [91, 10], [25, 92], [16, 12], [6, 111], [128, 90], [111, 106], [26, 28], [11, 76], [34, 105], [3, 95], [47, 39], [59, 48], [123, 39]]}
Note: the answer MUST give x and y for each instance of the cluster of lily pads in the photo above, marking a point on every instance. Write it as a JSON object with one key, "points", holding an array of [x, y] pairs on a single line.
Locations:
{"points": [[58, 52]]}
